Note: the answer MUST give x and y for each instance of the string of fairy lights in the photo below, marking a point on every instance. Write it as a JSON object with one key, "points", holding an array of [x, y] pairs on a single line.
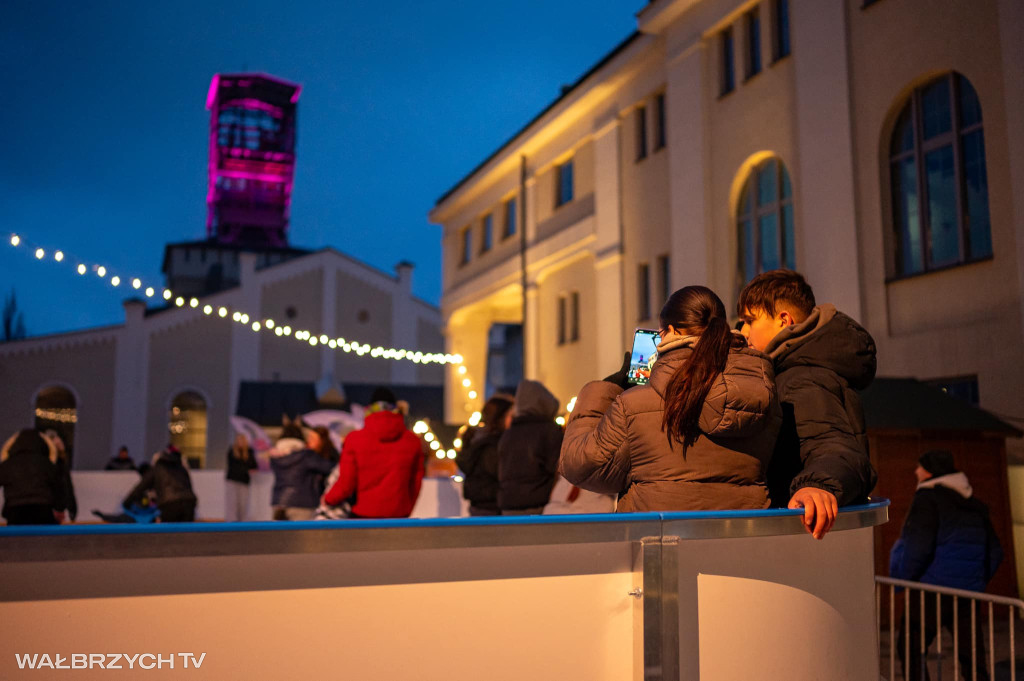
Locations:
{"points": [[84, 267]]}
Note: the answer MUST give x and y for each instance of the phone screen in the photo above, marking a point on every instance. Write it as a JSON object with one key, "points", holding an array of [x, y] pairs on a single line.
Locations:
{"points": [[645, 353]]}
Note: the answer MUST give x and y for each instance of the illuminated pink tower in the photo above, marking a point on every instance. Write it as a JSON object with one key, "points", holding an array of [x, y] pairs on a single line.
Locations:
{"points": [[252, 159]]}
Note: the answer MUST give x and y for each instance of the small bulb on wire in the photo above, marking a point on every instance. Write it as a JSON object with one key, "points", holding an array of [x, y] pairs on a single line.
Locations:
{"points": [[115, 281], [15, 239], [58, 256], [81, 269], [136, 283], [40, 253]]}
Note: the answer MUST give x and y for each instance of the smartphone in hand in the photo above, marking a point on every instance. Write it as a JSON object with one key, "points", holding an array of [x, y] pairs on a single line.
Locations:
{"points": [[644, 354]]}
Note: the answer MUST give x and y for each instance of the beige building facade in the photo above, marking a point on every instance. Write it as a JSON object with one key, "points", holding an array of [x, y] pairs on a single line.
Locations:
{"points": [[724, 138], [178, 369]]}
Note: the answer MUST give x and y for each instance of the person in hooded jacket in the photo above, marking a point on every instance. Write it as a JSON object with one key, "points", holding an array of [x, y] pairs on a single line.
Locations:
{"points": [[382, 464], [31, 479], [698, 436], [478, 459], [170, 480], [298, 475], [528, 451], [947, 540], [822, 358]]}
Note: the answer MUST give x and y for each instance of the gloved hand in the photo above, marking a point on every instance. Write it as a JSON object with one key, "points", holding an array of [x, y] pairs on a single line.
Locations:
{"points": [[620, 376]]}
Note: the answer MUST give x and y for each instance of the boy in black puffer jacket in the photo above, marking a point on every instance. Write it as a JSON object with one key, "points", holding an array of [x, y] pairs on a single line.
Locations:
{"points": [[528, 452], [821, 358]]}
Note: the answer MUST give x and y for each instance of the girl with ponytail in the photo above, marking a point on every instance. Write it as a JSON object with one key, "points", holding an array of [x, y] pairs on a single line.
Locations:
{"points": [[698, 436]]}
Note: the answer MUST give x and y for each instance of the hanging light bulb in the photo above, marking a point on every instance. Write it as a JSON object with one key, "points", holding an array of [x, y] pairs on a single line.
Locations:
{"points": [[101, 271], [222, 312], [15, 239], [150, 292], [429, 437], [136, 283], [81, 269], [193, 302], [451, 454], [439, 454], [58, 256], [115, 281], [179, 301], [419, 427], [474, 418], [466, 382], [167, 294], [255, 326], [207, 309], [269, 323], [472, 394], [40, 253]]}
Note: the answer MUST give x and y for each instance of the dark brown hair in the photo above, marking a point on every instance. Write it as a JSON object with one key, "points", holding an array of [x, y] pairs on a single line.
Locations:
{"points": [[326, 449], [493, 413], [694, 310], [767, 291]]}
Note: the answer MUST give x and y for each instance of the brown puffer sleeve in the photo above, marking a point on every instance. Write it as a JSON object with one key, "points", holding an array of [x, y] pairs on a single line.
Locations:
{"points": [[743, 400], [595, 454]]}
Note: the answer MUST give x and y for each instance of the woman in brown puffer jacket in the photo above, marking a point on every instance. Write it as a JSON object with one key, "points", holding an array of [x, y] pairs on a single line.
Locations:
{"points": [[697, 437]]}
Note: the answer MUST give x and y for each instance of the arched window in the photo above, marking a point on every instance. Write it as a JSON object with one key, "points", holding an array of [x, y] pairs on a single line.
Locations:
{"points": [[764, 221], [938, 178], [187, 426], [57, 410]]}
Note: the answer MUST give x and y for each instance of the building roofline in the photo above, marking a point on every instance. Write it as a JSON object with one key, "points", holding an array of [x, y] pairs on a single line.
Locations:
{"points": [[566, 92]]}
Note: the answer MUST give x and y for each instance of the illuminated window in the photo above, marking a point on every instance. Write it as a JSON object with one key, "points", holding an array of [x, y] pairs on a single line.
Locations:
{"points": [[565, 184], [728, 77], [487, 236], [659, 122], [641, 132], [764, 221], [938, 178], [752, 22], [643, 288], [510, 218]]}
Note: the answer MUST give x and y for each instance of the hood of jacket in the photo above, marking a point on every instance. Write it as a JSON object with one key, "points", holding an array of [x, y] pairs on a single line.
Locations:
{"points": [[30, 442], [955, 481], [285, 448], [742, 399], [385, 426], [829, 339], [534, 400]]}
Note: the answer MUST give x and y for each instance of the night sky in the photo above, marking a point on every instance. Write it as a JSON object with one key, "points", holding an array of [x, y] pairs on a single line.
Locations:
{"points": [[104, 131]]}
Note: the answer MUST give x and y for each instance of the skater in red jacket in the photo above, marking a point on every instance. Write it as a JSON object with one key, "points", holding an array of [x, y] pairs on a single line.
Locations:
{"points": [[382, 464]]}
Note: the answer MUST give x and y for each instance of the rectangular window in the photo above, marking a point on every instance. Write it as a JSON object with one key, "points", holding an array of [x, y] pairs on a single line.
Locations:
{"points": [[641, 133], [487, 236], [562, 321], [752, 20], [659, 122], [643, 292], [728, 80], [467, 245], [780, 33], [664, 278], [574, 317], [564, 179], [510, 218]]}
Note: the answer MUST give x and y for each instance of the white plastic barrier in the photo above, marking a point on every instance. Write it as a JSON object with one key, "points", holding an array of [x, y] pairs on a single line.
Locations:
{"points": [[104, 490]]}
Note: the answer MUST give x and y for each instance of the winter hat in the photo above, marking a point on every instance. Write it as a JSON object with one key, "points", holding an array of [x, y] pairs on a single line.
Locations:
{"points": [[938, 462], [383, 395]]}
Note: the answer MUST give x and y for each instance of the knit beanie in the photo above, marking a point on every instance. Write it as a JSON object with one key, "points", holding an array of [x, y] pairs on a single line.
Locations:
{"points": [[938, 462]]}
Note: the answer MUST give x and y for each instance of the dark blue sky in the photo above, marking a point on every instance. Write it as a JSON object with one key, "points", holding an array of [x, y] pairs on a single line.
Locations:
{"points": [[103, 128]]}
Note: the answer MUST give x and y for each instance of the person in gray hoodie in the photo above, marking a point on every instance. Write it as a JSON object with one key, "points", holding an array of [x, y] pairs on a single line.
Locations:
{"points": [[528, 451]]}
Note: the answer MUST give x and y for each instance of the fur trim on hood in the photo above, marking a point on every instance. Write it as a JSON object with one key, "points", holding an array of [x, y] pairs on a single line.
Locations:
{"points": [[955, 481], [286, 446]]}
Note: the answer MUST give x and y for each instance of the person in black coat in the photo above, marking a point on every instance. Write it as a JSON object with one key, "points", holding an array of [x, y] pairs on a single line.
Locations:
{"points": [[947, 540], [528, 452], [121, 462], [478, 459], [822, 358], [31, 480], [169, 478]]}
